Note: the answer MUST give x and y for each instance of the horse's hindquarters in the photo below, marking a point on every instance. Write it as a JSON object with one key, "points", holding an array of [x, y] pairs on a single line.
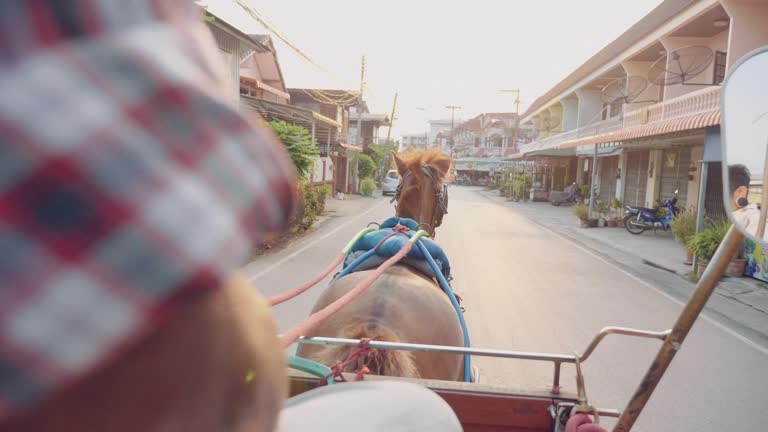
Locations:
{"points": [[401, 306]]}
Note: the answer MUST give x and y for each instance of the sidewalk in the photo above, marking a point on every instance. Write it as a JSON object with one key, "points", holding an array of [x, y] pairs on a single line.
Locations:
{"points": [[656, 250], [334, 208], [350, 205]]}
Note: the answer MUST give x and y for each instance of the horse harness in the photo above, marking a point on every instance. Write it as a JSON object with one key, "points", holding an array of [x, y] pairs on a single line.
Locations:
{"points": [[441, 196]]}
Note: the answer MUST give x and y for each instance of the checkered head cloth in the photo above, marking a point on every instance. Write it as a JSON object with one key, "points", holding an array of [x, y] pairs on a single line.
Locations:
{"points": [[128, 182]]}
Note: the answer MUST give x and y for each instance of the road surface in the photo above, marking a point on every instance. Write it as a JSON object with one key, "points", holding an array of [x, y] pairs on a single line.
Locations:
{"points": [[526, 288]]}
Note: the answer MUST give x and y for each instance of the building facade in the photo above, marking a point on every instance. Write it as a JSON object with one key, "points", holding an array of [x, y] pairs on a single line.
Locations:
{"points": [[634, 120]]}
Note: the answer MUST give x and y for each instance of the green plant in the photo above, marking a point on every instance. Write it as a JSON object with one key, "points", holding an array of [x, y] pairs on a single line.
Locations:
{"points": [[366, 167], [616, 206], [584, 191], [368, 187], [519, 185], [705, 243], [602, 208], [684, 226], [326, 190], [298, 142], [581, 211]]}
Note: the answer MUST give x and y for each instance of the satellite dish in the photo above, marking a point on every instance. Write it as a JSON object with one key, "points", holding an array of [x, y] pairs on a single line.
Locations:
{"points": [[681, 65], [550, 124], [624, 90]]}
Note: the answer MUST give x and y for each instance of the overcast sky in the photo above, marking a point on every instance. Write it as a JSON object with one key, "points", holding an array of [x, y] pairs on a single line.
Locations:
{"points": [[435, 52]]}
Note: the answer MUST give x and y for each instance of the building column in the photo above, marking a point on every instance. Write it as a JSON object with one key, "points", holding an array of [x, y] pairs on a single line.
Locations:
{"points": [[589, 106], [579, 171], [654, 182], [556, 117], [692, 198], [651, 94], [620, 183], [748, 29], [570, 113]]}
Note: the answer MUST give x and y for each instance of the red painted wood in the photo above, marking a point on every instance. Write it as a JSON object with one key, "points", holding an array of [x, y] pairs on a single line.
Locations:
{"points": [[484, 412]]}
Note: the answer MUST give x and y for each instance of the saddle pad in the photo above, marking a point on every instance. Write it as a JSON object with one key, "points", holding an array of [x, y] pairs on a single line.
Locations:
{"points": [[392, 245]]}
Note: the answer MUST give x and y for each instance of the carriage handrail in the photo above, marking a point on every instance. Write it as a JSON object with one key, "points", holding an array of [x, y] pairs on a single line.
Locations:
{"points": [[556, 359], [622, 331]]}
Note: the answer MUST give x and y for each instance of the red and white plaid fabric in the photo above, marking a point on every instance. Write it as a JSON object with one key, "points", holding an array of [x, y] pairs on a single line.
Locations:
{"points": [[127, 182]]}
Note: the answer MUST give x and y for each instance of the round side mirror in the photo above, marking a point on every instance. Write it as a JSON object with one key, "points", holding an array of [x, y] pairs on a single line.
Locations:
{"points": [[744, 110]]}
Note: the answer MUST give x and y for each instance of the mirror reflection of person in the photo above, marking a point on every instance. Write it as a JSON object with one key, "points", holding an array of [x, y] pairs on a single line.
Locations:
{"points": [[745, 214]]}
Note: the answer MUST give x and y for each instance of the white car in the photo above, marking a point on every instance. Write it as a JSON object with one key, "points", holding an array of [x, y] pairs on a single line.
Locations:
{"points": [[389, 185]]}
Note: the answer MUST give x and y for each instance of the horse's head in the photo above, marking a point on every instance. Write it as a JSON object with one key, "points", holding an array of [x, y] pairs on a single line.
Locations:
{"points": [[422, 194]]}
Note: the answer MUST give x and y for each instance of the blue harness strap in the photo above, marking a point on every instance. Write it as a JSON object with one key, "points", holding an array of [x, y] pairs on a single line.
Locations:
{"points": [[416, 257]]}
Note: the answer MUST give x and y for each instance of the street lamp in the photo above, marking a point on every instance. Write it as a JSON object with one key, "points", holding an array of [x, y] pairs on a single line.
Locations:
{"points": [[453, 109]]}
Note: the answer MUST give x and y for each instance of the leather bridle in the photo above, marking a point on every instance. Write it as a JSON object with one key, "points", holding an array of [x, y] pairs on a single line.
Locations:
{"points": [[440, 208]]}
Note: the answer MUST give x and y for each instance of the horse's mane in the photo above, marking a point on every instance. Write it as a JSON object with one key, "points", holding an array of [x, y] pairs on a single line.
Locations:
{"points": [[432, 157]]}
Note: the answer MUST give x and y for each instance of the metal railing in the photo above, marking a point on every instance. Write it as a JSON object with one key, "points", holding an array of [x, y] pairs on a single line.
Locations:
{"points": [[706, 99], [556, 359]]}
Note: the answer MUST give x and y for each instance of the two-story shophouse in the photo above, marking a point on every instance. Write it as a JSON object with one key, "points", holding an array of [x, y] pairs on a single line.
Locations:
{"points": [[640, 119]]}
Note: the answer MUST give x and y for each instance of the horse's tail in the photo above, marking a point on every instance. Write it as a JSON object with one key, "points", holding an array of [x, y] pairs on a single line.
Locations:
{"points": [[378, 361]]}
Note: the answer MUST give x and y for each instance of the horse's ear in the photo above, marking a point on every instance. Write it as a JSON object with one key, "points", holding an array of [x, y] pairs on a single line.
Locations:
{"points": [[443, 166], [401, 167]]}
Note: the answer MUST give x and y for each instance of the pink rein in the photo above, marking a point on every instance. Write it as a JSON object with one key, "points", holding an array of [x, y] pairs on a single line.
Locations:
{"points": [[276, 300]]}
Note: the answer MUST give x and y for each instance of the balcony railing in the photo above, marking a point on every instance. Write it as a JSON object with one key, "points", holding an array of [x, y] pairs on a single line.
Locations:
{"points": [[700, 101], [706, 99], [554, 141]]}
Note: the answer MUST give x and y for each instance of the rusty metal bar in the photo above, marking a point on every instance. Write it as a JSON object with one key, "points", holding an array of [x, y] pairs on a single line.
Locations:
{"points": [[688, 315], [556, 379], [622, 331]]}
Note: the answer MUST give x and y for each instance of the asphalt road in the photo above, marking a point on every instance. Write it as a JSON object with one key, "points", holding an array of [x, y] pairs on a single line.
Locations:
{"points": [[527, 288]]}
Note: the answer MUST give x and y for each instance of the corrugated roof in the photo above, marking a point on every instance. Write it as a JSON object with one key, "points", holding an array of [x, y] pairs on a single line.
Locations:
{"points": [[646, 25]]}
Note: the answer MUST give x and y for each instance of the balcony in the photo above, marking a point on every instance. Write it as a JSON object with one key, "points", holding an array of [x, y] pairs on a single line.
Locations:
{"points": [[552, 143], [695, 110], [700, 101]]}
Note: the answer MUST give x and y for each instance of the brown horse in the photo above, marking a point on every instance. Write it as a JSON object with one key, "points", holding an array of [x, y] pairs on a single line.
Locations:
{"points": [[403, 305]]}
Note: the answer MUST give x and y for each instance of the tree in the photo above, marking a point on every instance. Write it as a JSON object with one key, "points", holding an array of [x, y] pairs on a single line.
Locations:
{"points": [[380, 153], [298, 142], [366, 168], [376, 152]]}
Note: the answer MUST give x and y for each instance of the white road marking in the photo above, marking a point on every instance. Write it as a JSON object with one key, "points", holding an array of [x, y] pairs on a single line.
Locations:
{"points": [[706, 317], [316, 241]]}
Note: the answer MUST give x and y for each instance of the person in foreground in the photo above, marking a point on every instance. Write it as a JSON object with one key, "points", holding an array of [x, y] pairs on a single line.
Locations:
{"points": [[131, 193], [745, 214]]}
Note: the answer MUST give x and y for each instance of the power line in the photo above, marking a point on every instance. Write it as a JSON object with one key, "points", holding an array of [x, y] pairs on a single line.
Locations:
{"points": [[261, 19]]}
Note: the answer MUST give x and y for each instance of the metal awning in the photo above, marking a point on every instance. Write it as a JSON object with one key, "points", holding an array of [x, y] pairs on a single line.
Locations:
{"points": [[289, 113], [351, 147], [679, 124], [553, 152]]}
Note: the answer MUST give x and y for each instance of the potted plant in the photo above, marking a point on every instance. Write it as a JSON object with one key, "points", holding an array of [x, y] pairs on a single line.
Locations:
{"points": [[705, 243], [603, 209], [683, 227], [613, 221], [582, 213], [584, 193]]}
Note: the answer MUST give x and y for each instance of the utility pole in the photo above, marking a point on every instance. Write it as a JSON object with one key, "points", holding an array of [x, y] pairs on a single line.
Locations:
{"points": [[359, 139], [453, 108], [392, 119], [517, 115], [389, 135]]}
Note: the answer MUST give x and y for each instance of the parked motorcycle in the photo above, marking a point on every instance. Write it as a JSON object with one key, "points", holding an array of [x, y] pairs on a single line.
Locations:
{"points": [[639, 219], [463, 181]]}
